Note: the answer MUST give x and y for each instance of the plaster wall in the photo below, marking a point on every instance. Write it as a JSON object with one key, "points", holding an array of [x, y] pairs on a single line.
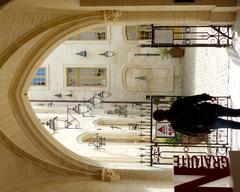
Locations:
{"points": [[16, 168], [14, 24], [210, 5], [65, 56], [75, 185], [154, 2]]}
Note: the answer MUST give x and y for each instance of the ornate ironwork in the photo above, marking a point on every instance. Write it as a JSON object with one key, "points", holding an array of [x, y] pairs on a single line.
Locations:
{"points": [[108, 54], [147, 54], [121, 110], [59, 95], [133, 126], [163, 149], [51, 123], [115, 127], [84, 110], [99, 142], [70, 122], [163, 154], [103, 94], [190, 36], [82, 53], [154, 150]]}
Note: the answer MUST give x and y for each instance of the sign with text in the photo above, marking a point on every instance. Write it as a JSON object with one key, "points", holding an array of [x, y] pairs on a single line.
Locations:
{"points": [[202, 173], [164, 129]]}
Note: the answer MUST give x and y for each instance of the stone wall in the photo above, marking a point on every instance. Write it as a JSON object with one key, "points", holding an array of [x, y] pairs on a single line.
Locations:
{"points": [[65, 56]]}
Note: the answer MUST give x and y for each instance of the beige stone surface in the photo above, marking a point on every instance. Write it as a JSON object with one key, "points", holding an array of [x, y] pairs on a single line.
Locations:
{"points": [[31, 160], [153, 2]]}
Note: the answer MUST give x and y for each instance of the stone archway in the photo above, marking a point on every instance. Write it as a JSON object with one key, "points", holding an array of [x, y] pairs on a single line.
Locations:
{"points": [[21, 131]]}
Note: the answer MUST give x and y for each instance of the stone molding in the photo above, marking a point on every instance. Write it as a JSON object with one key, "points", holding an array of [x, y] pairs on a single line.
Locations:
{"points": [[51, 34], [55, 157], [110, 175], [4, 2]]}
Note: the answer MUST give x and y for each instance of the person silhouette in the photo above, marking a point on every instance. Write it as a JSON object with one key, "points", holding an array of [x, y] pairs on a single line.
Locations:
{"points": [[197, 115]]}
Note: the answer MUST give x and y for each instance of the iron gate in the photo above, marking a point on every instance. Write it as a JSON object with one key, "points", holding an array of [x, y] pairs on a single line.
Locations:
{"points": [[162, 148], [190, 36]]}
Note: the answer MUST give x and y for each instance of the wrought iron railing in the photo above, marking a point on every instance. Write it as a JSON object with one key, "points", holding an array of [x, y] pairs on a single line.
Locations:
{"points": [[190, 36], [154, 149], [163, 148]]}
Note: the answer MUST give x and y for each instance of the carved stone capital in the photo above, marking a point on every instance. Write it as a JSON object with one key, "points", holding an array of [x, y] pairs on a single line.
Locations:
{"points": [[111, 15], [110, 175]]}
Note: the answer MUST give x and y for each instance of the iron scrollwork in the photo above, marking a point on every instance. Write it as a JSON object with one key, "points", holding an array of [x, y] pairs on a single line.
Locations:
{"points": [[191, 36], [162, 150]]}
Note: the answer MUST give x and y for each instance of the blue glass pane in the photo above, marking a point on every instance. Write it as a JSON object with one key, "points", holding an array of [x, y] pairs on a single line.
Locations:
{"points": [[39, 78], [38, 72], [41, 72]]}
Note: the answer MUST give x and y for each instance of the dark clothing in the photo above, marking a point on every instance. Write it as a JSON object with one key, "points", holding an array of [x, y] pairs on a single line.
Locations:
{"points": [[194, 116]]}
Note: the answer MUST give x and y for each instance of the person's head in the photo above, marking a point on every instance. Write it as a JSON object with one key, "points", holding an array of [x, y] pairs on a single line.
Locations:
{"points": [[160, 115]]}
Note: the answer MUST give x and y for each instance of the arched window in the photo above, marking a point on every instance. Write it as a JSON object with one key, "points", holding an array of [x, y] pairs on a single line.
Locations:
{"points": [[92, 35], [144, 32], [138, 32]]}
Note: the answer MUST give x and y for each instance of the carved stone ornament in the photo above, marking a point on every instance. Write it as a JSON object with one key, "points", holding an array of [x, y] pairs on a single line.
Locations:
{"points": [[110, 175], [111, 15]]}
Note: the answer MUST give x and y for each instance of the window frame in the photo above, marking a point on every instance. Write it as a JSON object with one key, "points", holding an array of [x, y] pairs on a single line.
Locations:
{"points": [[87, 88], [46, 76], [96, 30], [149, 40], [138, 32]]}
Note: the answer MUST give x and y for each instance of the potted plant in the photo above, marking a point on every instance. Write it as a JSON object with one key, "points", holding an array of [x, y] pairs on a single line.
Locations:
{"points": [[176, 52], [165, 53]]}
